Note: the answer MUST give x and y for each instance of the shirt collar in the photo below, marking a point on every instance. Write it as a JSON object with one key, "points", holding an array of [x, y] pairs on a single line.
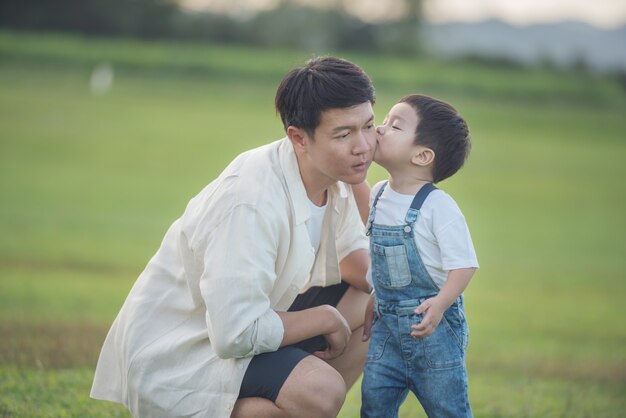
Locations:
{"points": [[295, 185]]}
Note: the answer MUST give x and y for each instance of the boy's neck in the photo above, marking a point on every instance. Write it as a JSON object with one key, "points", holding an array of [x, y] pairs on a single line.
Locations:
{"points": [[407, 185]]}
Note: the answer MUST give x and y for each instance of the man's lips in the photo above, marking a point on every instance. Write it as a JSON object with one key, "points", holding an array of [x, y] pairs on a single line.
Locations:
{"points": [[362, 165]]}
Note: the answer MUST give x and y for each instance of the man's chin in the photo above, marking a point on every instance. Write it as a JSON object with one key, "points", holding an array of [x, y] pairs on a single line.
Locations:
{"points": [[355, 178]]}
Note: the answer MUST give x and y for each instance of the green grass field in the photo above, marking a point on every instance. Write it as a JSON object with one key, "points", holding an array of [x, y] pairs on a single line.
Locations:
{"points": [[89, 185]]}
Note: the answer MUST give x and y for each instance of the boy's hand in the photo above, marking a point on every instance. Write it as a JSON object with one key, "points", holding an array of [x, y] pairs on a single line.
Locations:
{"points": [[369, 319], [433, 312]]}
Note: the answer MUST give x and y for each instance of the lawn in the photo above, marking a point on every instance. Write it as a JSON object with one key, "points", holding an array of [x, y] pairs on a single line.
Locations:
{"points": [[90, 183]]}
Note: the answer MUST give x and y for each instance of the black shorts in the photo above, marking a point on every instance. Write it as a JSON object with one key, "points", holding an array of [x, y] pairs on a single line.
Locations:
{"points": [[267, 372]]}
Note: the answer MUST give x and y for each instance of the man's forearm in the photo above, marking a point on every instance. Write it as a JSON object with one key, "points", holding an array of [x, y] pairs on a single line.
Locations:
{"points": [[307, 323]]}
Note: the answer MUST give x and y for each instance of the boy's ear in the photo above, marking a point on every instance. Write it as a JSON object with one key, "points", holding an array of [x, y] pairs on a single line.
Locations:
{"points": [[297, 137], [423, 157]]}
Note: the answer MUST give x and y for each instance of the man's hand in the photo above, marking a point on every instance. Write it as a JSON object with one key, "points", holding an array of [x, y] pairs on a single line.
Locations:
{"points": [[337, 339], [369, 319], [433, 309]]}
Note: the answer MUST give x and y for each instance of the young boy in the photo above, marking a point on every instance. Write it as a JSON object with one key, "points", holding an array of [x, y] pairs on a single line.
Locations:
{"points": [[422, 258]]}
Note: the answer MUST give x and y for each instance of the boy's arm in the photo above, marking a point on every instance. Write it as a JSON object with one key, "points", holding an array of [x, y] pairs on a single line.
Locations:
{"points": [[434, 308]]}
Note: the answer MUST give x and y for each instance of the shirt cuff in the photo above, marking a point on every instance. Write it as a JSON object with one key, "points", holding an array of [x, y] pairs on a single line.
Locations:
{"points": [[270, 329]]}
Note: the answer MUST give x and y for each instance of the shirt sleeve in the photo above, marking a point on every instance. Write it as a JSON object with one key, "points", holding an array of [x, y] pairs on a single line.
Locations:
{"points": [[239, 274], [453, 236]]}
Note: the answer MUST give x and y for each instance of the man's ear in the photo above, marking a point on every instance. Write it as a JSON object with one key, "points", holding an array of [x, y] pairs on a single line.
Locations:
{"points": [[297, 137], [423, 157]]}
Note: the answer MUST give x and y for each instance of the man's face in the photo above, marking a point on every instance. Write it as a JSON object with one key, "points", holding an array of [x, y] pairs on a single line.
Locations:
{"points": [[343, 144]]}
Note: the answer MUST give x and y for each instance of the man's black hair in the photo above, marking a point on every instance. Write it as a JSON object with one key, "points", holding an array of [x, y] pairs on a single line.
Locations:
{"points": [[322, 83]]}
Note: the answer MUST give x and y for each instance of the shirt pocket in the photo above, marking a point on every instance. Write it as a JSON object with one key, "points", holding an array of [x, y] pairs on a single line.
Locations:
{"points": [[390, 266]]}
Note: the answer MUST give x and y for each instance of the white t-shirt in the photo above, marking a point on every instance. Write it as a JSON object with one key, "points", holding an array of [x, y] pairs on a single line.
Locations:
{"points": [[441, 234], [314, 224]]}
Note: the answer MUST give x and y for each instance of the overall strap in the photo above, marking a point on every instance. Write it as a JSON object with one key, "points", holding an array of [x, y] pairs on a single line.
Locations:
{"points": [[372, 215], [418, 201], [421, 195]]}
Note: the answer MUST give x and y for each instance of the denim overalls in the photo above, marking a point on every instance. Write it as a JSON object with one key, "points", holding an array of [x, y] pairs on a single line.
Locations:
{"points": [[433, 368]]}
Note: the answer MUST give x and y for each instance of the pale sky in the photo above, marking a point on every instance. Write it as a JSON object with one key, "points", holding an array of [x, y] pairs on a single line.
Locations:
{"points": [[602, 13]]}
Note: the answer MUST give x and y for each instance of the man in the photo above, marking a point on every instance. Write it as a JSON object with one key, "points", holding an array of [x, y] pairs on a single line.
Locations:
{"points": [[253, 305]]}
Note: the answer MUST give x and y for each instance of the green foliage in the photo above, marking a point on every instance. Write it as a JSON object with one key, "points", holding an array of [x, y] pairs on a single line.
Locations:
{"points": [[286, 26], [91, 182]]}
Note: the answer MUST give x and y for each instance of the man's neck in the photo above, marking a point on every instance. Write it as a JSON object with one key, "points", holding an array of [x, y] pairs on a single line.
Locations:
{"points": [[315, 183]]}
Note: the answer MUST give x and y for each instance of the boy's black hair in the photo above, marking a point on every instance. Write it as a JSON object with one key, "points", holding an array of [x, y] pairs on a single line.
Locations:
{"points": [[441, 128], [322, 83]]}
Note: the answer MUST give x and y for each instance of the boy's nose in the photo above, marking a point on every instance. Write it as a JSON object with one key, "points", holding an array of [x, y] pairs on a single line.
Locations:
{"points": [[380, 129]]}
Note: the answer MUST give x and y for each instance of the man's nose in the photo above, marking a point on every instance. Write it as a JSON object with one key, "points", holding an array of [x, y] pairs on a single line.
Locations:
{"points": [[363, 144]]}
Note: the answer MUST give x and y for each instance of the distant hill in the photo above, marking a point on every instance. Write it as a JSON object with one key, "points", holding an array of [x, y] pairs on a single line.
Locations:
{"points": [[563, 44]]}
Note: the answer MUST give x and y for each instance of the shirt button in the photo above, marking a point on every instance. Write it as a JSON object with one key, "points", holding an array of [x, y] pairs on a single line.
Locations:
{"points": [[407, 229], [293, 288]]}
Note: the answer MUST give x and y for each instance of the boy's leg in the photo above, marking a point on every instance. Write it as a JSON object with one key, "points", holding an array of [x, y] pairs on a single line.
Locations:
{"points": [[439, 379], [443, 393], [384, 385]]}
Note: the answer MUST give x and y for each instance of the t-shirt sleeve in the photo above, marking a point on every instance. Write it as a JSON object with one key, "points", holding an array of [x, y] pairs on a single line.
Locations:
{"points": [[453, 235]]}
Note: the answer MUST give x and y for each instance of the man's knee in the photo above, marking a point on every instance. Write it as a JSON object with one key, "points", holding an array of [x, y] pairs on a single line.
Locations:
{"points": [[315, 390], [329, 394]]}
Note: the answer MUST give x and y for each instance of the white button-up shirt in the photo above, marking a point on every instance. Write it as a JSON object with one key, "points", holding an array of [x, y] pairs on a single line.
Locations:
{"points": [[206, 302]]}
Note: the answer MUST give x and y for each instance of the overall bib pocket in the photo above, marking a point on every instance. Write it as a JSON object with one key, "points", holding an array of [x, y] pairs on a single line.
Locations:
{"points": [[391, 265]]}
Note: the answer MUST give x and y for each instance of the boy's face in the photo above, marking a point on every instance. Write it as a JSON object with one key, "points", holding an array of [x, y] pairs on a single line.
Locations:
{"points": [[396, 137], [343, 145]]}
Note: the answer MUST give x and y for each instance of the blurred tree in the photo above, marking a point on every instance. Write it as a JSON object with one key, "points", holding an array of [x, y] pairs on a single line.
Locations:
{"points": [[136, 18], [368, 25]]}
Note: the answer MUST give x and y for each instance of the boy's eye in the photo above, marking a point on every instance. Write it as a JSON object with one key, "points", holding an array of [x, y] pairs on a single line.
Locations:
{"points": [[395, 127]]}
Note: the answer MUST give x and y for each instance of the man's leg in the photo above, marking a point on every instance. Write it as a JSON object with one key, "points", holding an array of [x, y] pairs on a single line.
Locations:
{"points": [[312, 390], [350, 363]]}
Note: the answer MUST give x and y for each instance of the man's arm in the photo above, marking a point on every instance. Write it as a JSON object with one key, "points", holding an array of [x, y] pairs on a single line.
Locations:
{"points": [[321, 320], [362, 198], [354, 267]]}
